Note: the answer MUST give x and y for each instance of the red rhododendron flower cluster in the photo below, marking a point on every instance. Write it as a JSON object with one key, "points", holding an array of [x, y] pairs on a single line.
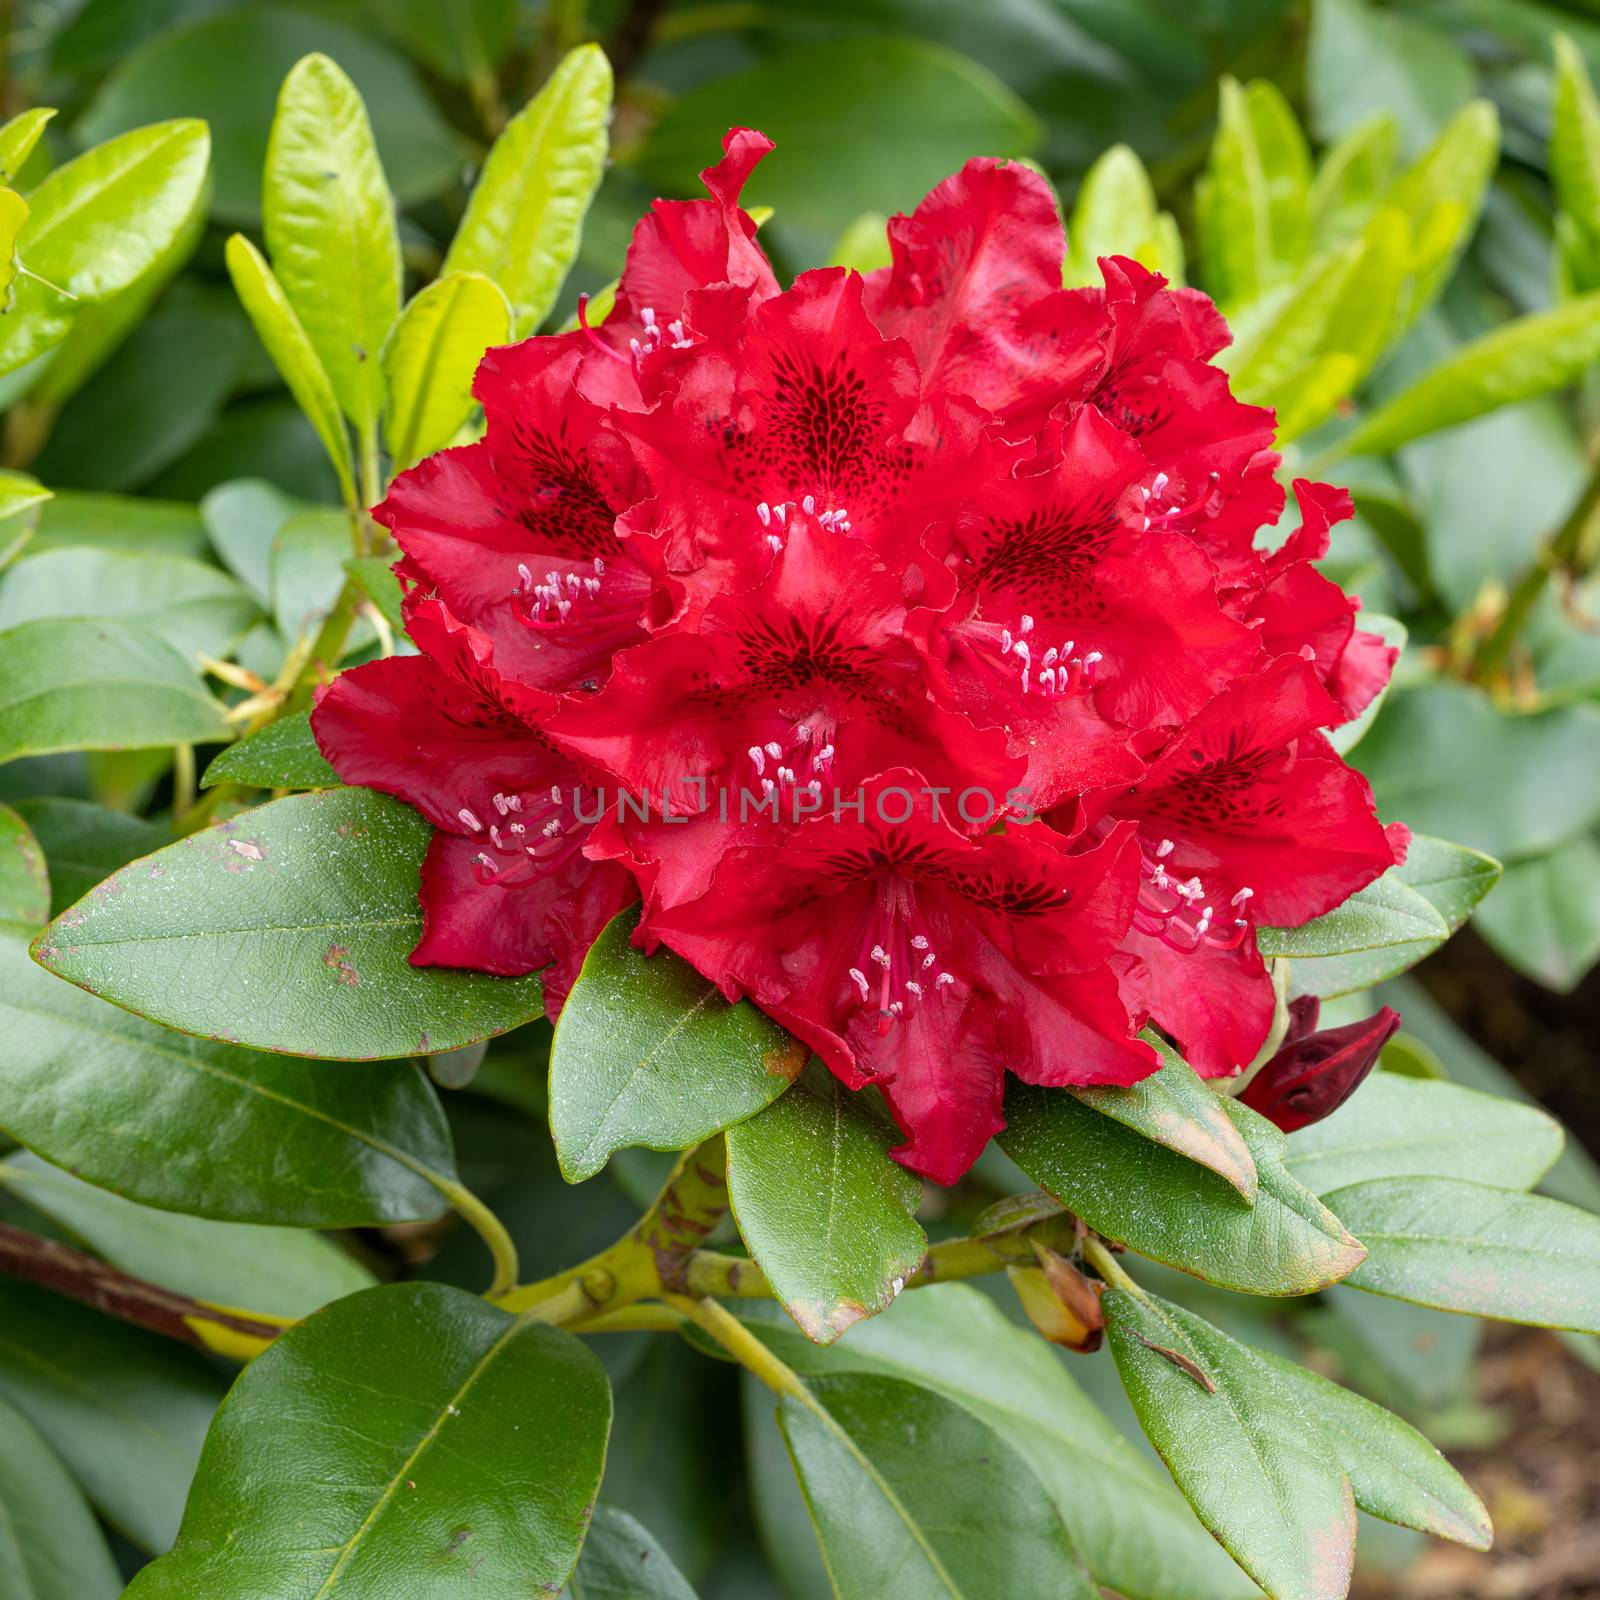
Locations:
{"points": [[902, 642]]}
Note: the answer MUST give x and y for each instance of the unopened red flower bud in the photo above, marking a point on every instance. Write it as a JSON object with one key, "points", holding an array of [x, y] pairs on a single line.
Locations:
{"points": [[1314, 1073]]}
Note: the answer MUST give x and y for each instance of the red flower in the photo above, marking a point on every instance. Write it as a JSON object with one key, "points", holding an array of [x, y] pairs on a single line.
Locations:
{"points": [[741, 563], [1313, 1074]]}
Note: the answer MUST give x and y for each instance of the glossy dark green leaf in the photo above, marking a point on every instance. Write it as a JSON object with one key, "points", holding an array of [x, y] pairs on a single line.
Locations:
{"points": [[1544, 919], [1394, 1472], [24, 877], [1395, 1127], [524, 216], [207, 1128], [283, 1272], [191, 606], [913, 1495], [622, 1561], [51, 1548], [283, 755], [410, 1429], [823, 1208], [647, 1052], [97, 684], [84, 843], [1462, 1246], [1163, 1205], [293, 354], [846, 93], [125, 1410], [99, 222], [1175, 1107], [431, 356], [287, 928], [227, 70], [331, 232], [1260, 1476], [1127, 1522]]}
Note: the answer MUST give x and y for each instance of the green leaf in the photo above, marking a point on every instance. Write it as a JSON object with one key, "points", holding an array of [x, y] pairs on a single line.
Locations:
{"points": [[283, 1272], [409, 1429], [847, 93], [1260, 1475], [824, 1210], [1116, 214], [100, 222], [1574, 168], [24, 877], [17, 139], [211, 1129], [1394, 1472], [622, 1561], [374, 576], [1351, 177], [1545, 920], [292, 352], [84, 843], [1166, 1207], [19, 493], [51, 1548], [524, 216], [647, 1052], [331, 231], [464, 42], [306, 573], [1379, 931], [227, 70], [287, 928], [1453, 764], [863, 247], [430, 359], [1252, 206], [241, 520], [38, 319], [121, 522], [1460, 1246], [1125, 1519], [1175, 1108], [282, 755], [1393, 633], [125, 1410], [1402, 1127], [13, 218], [190, 605], [912, 1495], [1529, 356], [95, 684]]}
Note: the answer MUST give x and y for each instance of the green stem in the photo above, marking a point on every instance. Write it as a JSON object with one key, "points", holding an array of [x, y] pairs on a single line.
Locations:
{"points": [[492, 1231], [1564, 551], [183, 783], [744, 1347], [326, 651], [1103, 1262]]}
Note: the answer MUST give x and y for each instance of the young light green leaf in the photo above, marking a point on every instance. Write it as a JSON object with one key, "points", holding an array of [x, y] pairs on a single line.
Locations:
{"points": [[125, 1410], [411, 1428], [1394, 1472], [1460, 1246], [431, 356], [51, 1548], [73, 683], [863, 247], [1575, 168], [20, 493], [100, 222], [523, 219], [1260, 1475], [1379, 931], [282, 755], [13, 218], [1125, 1519], [17, 139], [1115, 214], [1167, 1207], [978, 1525], [1175, 1108], [1252, 206], [192, 606], [647, 1052], [287, 928], [292, 352], [331, 232], [1396, 1127], [1529, 356], [825, 1212], [209, 1129], [283, 1272], [1350, 179], [24, 877]]}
